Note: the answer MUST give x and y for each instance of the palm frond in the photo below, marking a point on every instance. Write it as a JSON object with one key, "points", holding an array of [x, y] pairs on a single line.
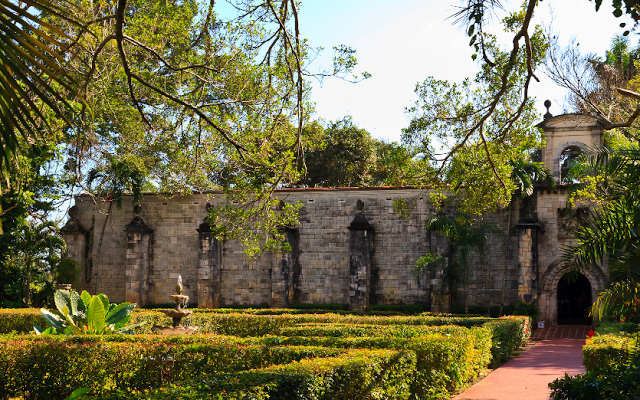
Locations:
{"points": [[32, 73], [620, 300]]}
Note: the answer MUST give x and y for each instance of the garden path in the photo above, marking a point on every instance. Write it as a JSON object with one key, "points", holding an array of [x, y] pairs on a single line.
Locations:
{"points": [[525, 377]]}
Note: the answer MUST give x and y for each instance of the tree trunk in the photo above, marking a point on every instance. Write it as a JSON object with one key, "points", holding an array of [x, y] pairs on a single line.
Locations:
{"points": [[27, 296]]}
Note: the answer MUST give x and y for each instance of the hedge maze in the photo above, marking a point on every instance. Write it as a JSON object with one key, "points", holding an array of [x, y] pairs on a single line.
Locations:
{"points": [[259, 354]]}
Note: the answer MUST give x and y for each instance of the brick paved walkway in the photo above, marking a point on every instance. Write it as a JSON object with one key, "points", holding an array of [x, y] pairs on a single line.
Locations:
{"points": [[562, 332], [526, 376]]}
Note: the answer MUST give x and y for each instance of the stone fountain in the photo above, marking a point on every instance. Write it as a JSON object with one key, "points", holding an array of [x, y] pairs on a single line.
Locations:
{"points": [[177, 314]]}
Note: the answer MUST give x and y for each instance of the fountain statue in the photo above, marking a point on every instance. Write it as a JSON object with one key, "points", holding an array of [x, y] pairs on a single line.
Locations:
{"points": [[177, 314]]}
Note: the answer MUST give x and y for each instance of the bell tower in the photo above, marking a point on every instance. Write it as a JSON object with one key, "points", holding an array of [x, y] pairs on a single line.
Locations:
{"points": [[567, 136]]}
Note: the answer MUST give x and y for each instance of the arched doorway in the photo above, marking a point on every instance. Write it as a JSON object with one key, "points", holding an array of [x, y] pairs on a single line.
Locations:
{"points": [[574, 300]]}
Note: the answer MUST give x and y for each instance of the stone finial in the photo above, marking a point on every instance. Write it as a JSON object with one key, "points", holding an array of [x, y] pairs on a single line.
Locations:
{"points": [[360, 205], [73, 212], [137, 209], [73, 225], [209, 207], [547, 103]]}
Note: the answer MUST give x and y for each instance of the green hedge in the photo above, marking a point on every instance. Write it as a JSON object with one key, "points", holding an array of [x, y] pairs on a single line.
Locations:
{"points": [[20, 320], [445, 362], [448, 357], [366, 330], [253, 323], [358, 374], [244, 325], [612, 363], [605, 351], [619, 383], [509, 333], [51, 367]]}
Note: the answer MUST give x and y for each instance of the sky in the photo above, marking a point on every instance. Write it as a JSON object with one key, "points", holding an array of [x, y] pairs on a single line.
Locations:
{"points": [[402, 42]]}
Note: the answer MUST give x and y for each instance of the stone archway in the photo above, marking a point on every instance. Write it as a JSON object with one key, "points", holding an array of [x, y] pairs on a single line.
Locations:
{"points": [[574, 299], [548, 296], [558, 157]]}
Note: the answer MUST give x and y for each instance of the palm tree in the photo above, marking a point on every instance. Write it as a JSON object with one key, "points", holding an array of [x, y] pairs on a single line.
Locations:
{"points": [[525, 174], [610, 233], [619, 299]]}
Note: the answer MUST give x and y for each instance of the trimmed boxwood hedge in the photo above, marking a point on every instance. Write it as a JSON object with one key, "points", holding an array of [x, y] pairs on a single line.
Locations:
{"points": [[251, 322], [509, 334], [445, 362], [357, 374], [605, 351], [450, 351], [360, 330], [20, 320], [51, 367]]}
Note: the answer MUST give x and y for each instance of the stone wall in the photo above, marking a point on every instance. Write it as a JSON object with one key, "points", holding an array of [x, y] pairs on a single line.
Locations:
{"points": [[351, 247]]}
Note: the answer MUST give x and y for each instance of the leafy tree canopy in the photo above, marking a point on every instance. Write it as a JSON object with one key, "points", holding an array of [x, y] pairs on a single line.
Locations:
{"points": [[472, 130], [180, 96]]}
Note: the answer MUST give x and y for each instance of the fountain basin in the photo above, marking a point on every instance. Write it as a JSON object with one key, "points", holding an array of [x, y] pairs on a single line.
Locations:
{"points": [[177, 313], [179, 298]]}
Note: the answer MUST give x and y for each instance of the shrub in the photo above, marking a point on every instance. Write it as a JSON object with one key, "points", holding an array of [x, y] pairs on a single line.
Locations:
{"points": [[445, 362], [509, 333], [52, 366], [366, 330], [253, 324], [358, 374], [606, 351], [448, 356], [613, 366], [618, 382], [20, 320]]}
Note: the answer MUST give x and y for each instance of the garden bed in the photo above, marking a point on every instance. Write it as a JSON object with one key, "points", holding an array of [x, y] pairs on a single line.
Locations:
{"points": [[280, 355]]}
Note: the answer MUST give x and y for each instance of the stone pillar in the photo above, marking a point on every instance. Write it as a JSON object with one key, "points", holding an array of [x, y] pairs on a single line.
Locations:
{"points": [[528, 260], [75, 237], [359, 261], [437, 300], [282, 273], [209, 265], [138, 259]]}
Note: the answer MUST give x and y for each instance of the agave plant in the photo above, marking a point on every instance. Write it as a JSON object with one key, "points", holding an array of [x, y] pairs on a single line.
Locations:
{"points": [[86, 314]]}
